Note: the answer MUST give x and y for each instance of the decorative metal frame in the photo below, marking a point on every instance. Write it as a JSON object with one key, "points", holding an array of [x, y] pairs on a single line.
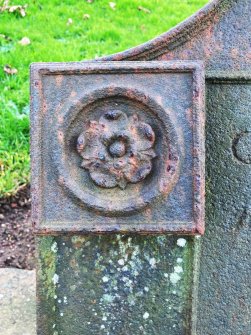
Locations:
{"points": [[40, 70]]}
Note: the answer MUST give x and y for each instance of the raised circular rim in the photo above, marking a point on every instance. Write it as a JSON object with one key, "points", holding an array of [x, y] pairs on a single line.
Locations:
{"points": [[169, 177]]}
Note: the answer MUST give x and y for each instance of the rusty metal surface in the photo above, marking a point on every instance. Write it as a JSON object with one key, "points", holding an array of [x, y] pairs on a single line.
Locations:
{"points": [[218, 35], [118, 147]]}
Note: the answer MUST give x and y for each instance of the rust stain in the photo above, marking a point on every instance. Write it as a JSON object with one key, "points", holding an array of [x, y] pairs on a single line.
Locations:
{"points": [[59, 79]]}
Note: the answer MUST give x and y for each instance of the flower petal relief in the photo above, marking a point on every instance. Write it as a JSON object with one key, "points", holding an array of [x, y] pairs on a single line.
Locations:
{"points": [[117, 149]]}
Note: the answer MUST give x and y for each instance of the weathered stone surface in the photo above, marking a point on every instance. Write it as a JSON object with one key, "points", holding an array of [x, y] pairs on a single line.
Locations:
{"points": [[225, 290], [17, 302], [117, 284]]}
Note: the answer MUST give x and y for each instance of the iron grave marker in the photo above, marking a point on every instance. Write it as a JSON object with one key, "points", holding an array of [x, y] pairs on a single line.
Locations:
{"points": [[118, 184], [117, 148]]}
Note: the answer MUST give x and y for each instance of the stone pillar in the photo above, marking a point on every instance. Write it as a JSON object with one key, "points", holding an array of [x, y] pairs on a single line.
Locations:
{"points": [[118, 195]]}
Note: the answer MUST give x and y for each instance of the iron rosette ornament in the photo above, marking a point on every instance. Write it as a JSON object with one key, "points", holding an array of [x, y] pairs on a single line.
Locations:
{"points": [[117, 149]]}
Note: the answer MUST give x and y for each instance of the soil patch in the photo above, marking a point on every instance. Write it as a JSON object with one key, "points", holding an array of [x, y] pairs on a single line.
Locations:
{"points": [[17, 246]]}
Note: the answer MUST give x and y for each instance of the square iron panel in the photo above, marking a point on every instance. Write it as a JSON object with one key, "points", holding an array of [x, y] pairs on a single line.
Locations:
{"points": [[118, 147]]}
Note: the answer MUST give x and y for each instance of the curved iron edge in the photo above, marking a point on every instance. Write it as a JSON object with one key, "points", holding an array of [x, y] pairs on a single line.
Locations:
{"points": [[160, 44]]}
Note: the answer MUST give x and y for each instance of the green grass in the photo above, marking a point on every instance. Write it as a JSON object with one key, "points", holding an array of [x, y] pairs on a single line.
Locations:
{"points": [[106, 31]]}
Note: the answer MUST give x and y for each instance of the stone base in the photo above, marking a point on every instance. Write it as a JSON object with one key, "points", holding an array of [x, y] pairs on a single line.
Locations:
{"points": [[17, 302]]}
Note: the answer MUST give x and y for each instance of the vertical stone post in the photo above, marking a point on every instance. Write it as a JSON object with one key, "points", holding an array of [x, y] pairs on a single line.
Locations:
{"points": [[117, 195]]}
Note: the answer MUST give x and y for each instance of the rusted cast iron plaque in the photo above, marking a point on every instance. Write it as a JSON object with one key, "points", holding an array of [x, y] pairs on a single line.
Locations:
{"points": [[118, 147]]}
